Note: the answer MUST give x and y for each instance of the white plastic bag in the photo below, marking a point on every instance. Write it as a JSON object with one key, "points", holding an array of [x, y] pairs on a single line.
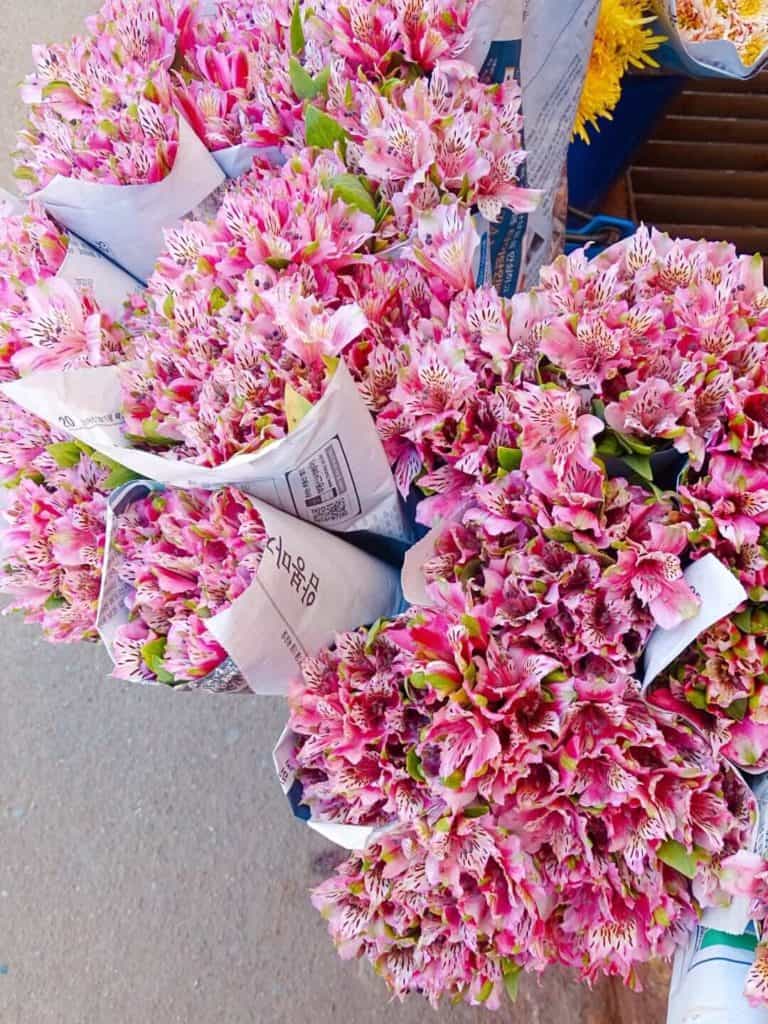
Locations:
{"points": [[126, 222], [331, 471], [309, 585], [708, 980]]}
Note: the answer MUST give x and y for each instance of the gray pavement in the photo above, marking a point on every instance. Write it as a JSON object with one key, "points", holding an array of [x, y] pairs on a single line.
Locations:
{"points": [[150, 869]]}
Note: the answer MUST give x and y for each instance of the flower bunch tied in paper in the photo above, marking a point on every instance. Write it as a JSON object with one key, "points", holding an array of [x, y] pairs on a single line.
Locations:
{"points": [[722, 678], [744, 23], [665, 340], [95, 120], [54, 496], [252, 312], [450, 134], [181, 556], [526, 807]]}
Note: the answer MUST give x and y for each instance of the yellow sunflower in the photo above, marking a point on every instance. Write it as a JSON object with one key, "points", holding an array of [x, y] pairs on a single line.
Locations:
{"points": [[622, 40]]}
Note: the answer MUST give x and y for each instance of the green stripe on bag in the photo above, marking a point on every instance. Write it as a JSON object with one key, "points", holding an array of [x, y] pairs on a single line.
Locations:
{"points": [[715, 938]]}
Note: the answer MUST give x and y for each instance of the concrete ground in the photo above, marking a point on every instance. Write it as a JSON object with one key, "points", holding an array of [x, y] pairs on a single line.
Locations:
{"points": [[150, 869]]}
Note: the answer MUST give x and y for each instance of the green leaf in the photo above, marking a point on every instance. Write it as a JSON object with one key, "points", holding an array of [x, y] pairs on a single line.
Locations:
{"points": [[24, 174], [660, 916], [321, 80], [417, 680], [65, 453], [297, 32], [738, 709], [331, 364], [609, 444], [413, 766], [351, 189], [152, 654], [55, 86], [151, 436], [641, 464], [509, 458], [296, 407], [373, 633], [676, 856], [476, 810], [277, 262], [485, 992], [302, 83], [472, 626], [443, 825], [54, 601], [453, 781], [441, 683], [218, 299], [511, 972], [632, 445], [118, 476], [168, 306], [321, 130], [697, 699]]}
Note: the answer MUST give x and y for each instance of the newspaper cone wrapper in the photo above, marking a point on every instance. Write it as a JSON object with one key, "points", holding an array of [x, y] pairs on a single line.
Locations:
{"points": [[547, 46], [349, 837], [713, 58], [237, 160], [309, 586], [83, 266], [331, 471], [126, 222]]}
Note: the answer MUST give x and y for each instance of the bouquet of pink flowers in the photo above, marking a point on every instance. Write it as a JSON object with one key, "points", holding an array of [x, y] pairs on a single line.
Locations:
{"points": [[55, 494], [526, 808], [720, 38], [521, 780]]}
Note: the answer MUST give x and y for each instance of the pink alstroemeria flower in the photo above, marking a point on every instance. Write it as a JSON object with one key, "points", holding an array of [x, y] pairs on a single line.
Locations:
{"points": [[555, 430], [654, 574]]}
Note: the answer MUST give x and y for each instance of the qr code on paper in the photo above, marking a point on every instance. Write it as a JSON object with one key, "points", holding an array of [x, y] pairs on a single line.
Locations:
{"points": [[322, 488]]}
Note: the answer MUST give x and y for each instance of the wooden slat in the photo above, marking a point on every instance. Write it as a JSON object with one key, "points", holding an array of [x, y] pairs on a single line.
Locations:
{"points": [[699, 182], [724, 104], [728, 211], [717, 85], [722, 130], [672, 153], [745, 239]]}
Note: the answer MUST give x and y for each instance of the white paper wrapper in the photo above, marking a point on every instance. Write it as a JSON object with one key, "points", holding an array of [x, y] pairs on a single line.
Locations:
{"points": [[720, 593], [309, 586], [126, 222], [84, 267], [331, 471], [708, 981], [349, 837], [548, 46], [557, 43], [715, 58], [237, 160]]}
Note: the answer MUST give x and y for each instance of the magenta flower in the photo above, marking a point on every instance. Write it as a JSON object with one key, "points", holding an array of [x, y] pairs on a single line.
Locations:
{"points": [[654, 574], [446, 134], [94, 119], [555, 430], [183, 557]]}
